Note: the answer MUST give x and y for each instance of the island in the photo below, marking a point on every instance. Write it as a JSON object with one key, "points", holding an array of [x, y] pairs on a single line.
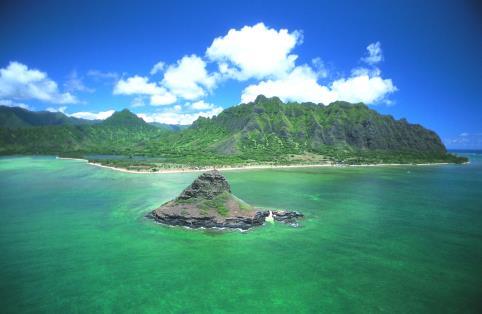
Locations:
{"points": [[264, 133], [209, 203]]}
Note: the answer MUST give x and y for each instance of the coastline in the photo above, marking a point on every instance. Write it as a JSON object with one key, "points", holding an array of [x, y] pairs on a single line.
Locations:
{"points": [[250, 167]]}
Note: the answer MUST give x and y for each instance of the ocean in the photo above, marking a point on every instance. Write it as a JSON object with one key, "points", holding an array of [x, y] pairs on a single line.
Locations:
{"points": [[391, 239]]}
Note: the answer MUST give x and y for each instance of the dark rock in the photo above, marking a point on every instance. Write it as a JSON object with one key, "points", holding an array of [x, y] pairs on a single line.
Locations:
{"points": [[208, 203], [208, 185], [288, 217], [243, 223]]}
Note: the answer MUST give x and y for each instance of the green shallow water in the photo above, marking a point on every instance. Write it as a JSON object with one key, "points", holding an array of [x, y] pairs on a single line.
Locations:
{"points": [[73, 238]]}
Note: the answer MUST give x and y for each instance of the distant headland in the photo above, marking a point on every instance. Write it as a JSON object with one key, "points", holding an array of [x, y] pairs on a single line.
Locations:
{"points": [[266, 133]]}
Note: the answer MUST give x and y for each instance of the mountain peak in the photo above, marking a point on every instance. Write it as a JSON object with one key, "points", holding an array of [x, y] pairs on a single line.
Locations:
{"points": [[209, 203], [208, 185], [124, 118], [263, 99]]}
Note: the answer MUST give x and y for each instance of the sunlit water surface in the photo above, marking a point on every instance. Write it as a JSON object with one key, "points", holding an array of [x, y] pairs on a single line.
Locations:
{"points": [[408, 239]]}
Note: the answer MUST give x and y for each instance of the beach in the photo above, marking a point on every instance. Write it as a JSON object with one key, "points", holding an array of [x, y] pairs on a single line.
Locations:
{"points": [[247, 167]]}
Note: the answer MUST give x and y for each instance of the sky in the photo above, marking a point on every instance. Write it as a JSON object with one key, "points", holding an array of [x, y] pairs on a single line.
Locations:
{"points": [[174, 61]]}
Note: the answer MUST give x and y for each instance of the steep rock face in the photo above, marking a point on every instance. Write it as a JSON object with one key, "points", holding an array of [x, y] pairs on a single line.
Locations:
{"points": [[208, 185], [208, 203], [315, 127], [240, 222], [266, 130]]}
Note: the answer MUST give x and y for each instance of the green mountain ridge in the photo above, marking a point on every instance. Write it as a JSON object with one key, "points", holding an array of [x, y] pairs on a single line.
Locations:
{"points": [[268, 121], [16, 117], [125, 118], [266, 130], [169, 127]]}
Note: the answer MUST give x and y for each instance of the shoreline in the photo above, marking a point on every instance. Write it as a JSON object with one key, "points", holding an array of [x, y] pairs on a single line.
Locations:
{"points": [[250, 167]]}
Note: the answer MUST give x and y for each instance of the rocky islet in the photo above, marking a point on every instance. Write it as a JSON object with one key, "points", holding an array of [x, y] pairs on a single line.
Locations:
{"points": [[209, 203]]}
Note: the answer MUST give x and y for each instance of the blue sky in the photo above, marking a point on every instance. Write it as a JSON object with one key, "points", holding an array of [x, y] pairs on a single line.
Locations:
{"points": [[87, 58]]}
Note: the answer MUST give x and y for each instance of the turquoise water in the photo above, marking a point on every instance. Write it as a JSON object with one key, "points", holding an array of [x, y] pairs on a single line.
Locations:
{"points": [[73, 238]]}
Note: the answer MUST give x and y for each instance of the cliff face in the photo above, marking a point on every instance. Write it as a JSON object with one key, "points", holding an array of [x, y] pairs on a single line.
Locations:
{"points": [[265, 130], [208, 203], [315, 127], [207, 186]]}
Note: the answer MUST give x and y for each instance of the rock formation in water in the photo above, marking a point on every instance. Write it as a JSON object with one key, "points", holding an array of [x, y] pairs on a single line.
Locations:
{"points": [[209, 203]]}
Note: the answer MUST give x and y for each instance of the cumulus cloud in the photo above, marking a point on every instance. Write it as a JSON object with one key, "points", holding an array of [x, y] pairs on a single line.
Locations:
{"points": [[140, 85], [362, 88], [374, 54], [201, 105], [11, 103], [164, 98], [265, 55], [17, 81], [175, 116], [188, 78], [158, 67], [255, 52], [136, 85], [93, 115], [301, 85]]}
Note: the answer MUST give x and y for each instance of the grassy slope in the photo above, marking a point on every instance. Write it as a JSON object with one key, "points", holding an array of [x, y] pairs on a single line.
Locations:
{"points": [[265, 131], [223, 204]]}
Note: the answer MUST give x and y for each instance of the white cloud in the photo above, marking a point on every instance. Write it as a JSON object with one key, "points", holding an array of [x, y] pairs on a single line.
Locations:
{"points": [[17, 81], [136, 85], [139, 85], [301, 85], [375, 54], [188, 78], [201, 105], [362, 88], [174, 116], [158, 67], [75, 83], [59, 109], [265, 54], [165, 98], [255, 52], [93, 115], [11, 103]]}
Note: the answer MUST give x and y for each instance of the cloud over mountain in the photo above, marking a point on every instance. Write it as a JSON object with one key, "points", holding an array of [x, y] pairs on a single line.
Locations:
{"points": [[188, 78], [302, 84], [255, 52], [140, 85], [259, 59], [18, 82]]}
